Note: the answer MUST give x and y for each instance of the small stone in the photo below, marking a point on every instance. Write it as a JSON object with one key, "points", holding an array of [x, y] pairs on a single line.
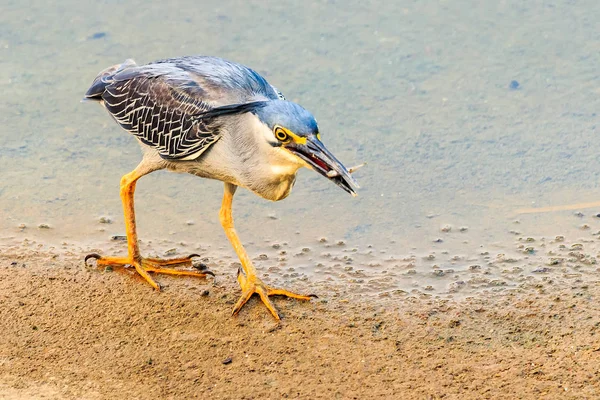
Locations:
{"points": [[276, 245], [205, 293], [529, 250], [341, 243], [227, 361], [105, 220], [44, 226], [189, 222], [454, 323], [98, 35], [200, 266], [118, 237], [108, 269], [170, 252], [541, 270], [323, 240], [22, 226], [263, 257], [438, 240], [578, 214], [446, 228], [584, 227], [463, 229]]}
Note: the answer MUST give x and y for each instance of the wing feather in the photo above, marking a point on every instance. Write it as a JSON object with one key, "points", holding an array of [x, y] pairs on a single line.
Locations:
{"points": [[159, 111], [175, 105]]}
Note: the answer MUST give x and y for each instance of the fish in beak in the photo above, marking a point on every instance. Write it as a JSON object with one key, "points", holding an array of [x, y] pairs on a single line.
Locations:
{"points": [[316, 155]]}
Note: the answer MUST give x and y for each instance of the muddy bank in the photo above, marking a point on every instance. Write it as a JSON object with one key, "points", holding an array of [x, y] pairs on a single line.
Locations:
{"points": [[74, 332]]}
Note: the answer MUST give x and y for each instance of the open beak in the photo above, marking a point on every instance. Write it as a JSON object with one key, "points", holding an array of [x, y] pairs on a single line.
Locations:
{"points": [[316, 155]]}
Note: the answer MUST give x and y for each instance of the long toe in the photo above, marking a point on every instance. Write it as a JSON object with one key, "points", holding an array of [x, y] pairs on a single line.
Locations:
{"points": [[144, 266], [256, 286]]}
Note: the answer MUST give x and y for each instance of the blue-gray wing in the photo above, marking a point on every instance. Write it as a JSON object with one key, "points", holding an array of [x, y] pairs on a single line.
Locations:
{"points": [[157, 106], [162, 103]]}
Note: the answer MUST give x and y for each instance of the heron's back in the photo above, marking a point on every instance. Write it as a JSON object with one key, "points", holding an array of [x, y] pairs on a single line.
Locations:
{"points": [[161, 103]]}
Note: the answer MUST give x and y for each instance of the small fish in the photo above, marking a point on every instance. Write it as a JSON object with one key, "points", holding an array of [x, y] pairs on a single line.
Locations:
{"points": [[333, 174]]}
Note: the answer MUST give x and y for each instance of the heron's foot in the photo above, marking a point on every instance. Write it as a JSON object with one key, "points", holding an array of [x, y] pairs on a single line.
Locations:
{"points": [[252, 285], [155, 265]]}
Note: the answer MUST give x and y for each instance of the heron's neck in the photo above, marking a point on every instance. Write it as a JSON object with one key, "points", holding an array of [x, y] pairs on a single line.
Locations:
{"points": [[268, 171]]}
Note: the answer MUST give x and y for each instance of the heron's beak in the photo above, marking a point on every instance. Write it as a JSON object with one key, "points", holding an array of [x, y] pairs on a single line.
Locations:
{"points": [[316, 155]]}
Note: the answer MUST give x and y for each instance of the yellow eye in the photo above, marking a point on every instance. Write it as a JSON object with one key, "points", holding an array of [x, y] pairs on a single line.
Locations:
{"points": [[282, 135]]}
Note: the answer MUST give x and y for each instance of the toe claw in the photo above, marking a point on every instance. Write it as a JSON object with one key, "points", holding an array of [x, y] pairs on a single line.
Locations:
{"points": [[194, 255], [91, 255], [314, 296]]}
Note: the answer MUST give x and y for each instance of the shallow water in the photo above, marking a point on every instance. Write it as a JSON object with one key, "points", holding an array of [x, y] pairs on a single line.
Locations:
{"points": [[465, 112]]}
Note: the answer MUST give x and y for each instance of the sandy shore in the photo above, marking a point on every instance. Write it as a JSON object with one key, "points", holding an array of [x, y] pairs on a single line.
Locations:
{"points": [[73, 332]]}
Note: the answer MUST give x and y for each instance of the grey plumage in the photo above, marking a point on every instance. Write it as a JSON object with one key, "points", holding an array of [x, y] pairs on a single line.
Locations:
{"points": [[215, 119], [163, 103], [219, 120]]}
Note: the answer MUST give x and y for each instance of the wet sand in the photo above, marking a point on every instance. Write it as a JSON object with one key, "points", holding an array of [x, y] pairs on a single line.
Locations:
{"points": [[75, 332], [466, 268]]}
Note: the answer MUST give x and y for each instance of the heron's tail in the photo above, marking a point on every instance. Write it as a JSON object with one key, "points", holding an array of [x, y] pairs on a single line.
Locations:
{"points": [[104, 78]]}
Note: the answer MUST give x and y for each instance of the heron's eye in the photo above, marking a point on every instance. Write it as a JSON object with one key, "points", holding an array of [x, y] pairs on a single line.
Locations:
{"points": [[282, 135]]}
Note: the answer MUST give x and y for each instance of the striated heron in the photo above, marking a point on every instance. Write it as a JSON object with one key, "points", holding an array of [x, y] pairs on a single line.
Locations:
{"points": [[215, 119]]}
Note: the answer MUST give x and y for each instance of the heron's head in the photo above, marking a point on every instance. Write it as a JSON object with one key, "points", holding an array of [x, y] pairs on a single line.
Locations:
{"points": [[294, 130]]}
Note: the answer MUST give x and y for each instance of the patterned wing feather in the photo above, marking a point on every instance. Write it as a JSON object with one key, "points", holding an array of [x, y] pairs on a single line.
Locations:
{"points": [[174, 105], [161, 111]]}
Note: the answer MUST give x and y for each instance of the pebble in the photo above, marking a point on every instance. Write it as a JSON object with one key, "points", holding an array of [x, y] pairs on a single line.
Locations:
{"points": [[44, 226], [541, 270], [98, 35], [170, 252], [446, 228], [105, 220]]}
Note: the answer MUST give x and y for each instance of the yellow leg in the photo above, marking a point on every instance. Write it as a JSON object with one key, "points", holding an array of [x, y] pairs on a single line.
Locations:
{"points": [[247, 278], [143, 265]]}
